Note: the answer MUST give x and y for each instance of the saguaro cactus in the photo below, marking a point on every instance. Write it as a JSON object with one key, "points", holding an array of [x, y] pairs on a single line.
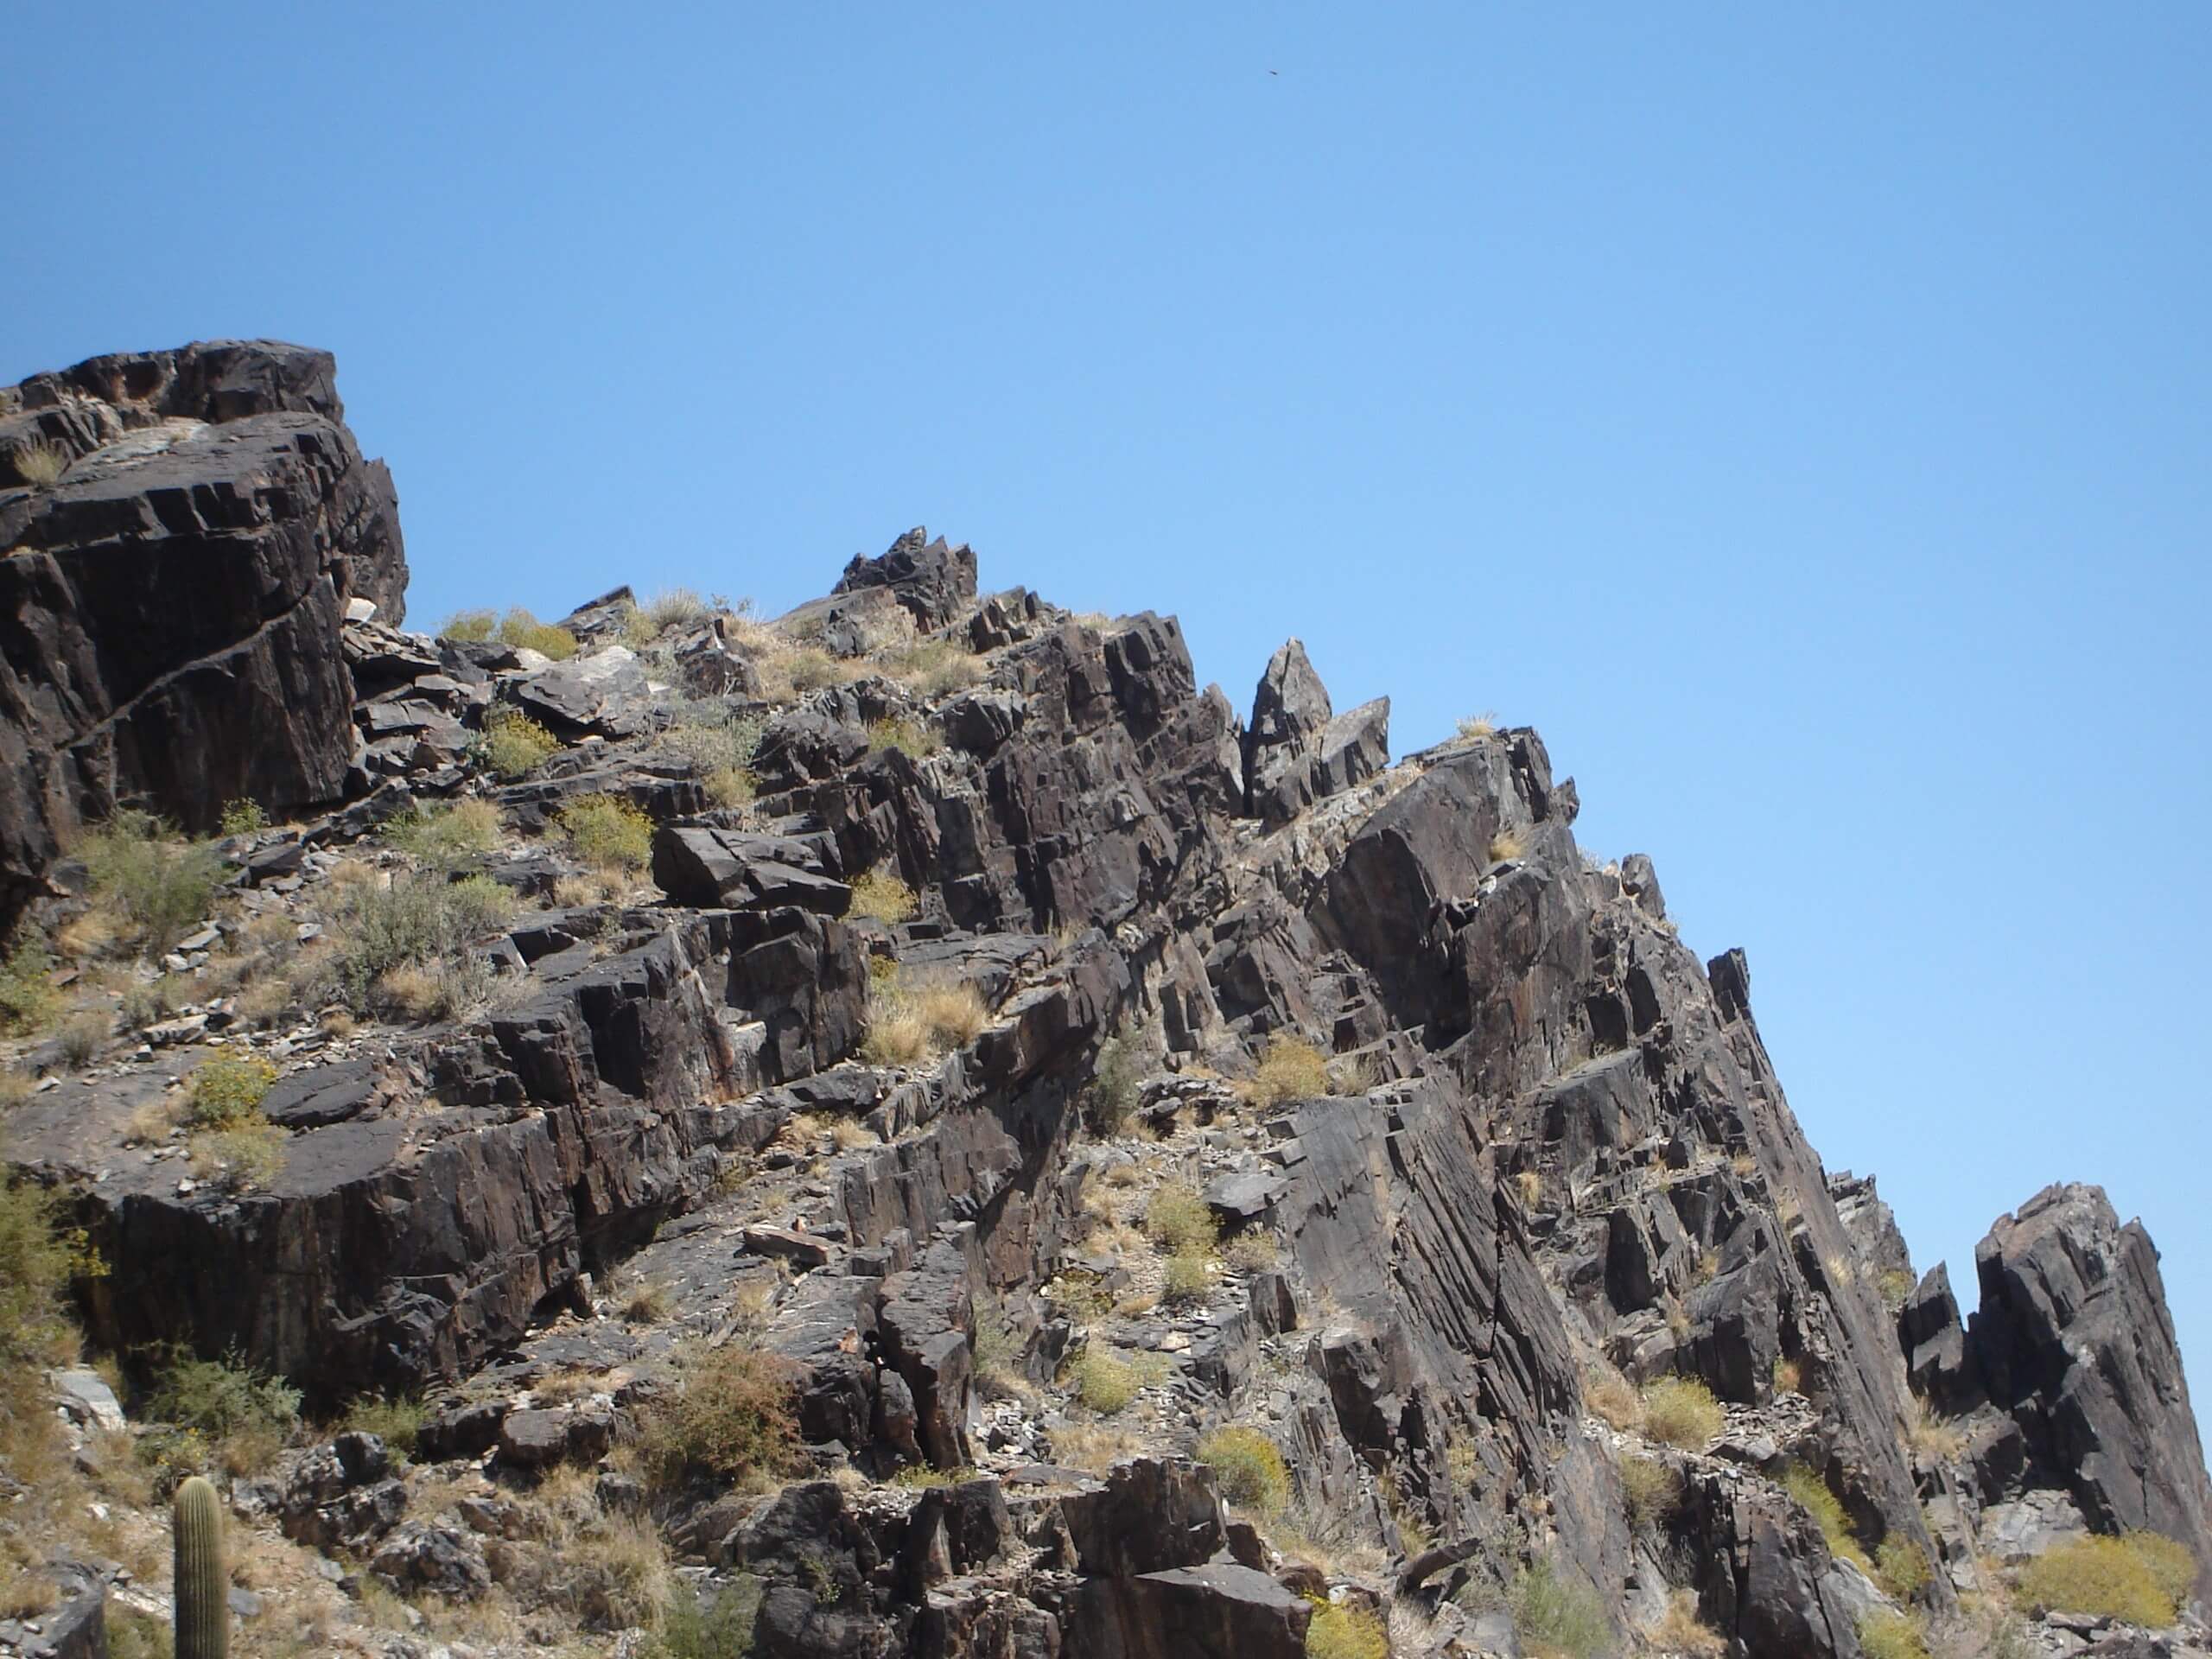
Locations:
{"points": [[203, 1605]]}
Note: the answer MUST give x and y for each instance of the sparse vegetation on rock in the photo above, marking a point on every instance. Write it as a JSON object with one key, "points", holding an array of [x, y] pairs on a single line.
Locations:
{"points": [[1103, 1078]]}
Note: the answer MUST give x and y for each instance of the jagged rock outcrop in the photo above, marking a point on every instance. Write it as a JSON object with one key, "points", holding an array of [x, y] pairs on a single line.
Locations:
{"points": [[855, 1081], [2074, 1341], [170, 606]]}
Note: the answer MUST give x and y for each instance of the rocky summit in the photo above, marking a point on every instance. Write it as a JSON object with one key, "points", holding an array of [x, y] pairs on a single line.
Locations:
{"points": [[912, 1127]]}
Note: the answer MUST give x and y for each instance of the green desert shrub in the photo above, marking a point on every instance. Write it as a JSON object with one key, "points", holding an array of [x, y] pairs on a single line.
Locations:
{"points": [[39, 1255], [1249, 1467], [607, 832], [243, 817], [27, 1001], [222, 1401], [514, 745], [395, 1419], [2141, 1577], [523, 630], [1111, 1095], [1553, 1611], [1681, 1411], [727, 1416], [159, 883], [708, 1622], [419, 921], [445, 834]]}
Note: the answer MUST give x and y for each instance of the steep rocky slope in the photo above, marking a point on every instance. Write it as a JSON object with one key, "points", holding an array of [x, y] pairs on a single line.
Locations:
{"points": [[1078, 1103]]}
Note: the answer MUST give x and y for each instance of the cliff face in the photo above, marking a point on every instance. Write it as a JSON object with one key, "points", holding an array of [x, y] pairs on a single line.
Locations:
{"points": [[1489, 1154], [172, 601]]}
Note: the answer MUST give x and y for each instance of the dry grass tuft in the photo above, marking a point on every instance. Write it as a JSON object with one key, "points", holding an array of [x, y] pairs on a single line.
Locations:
{"points": [[1611, 1396], [40, 463], [955, 1014], [1291, 1069], [1681, 1411], [881, 896], [1507, 844], [2141, 1577], [1681, 1631]]}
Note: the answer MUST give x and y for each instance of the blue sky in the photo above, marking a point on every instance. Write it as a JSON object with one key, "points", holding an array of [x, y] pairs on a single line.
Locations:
{"points": [[1799, 415]]}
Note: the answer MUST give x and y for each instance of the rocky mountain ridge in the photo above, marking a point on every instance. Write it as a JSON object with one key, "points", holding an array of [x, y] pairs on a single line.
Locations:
{"points": [[1059, 1075]]}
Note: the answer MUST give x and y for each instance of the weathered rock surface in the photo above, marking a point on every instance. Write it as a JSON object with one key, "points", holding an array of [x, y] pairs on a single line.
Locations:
{"points": [[170, 609], [2075, 1341], [1534, 1142]]}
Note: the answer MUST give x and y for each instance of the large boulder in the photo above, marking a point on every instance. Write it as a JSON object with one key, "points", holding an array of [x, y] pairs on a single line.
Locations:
{"points": [[170, 609]]}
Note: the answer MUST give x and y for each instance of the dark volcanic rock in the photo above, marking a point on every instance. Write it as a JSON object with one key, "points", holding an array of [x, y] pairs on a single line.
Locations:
{"points": [[934, 583], [170, 611], [2074, 1340]]}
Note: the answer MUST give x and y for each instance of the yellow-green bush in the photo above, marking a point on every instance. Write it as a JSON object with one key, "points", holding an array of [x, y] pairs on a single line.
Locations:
{"points": [[1652, 1487], [27, 1001], [1551, 1610], [469, 627], [1339, 1631], [1886, 1635], [226, 1401], [445, 835], [243, 818], [514, 744], [1901, 1567], [1111, 1095], [1179, 1221], [936, 667], [1290, 1069], [607, 832], [2140, 1578], [419, 921], [702, 1622], [229, 1090], [1249, 1468], [1106, 1381], [160, 883], [1681, 1411], [1187, 1279], [523, 630], [907, 735], [881, 896], [1827, 1510], [395, 1419], [727, 1416]]}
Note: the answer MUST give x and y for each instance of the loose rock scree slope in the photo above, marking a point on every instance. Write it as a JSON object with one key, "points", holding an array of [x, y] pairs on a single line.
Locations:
{"points": [[1013, 1067]]}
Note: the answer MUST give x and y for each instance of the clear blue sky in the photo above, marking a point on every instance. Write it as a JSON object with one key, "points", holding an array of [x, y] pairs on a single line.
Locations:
{"points": [[1801, 414]]}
